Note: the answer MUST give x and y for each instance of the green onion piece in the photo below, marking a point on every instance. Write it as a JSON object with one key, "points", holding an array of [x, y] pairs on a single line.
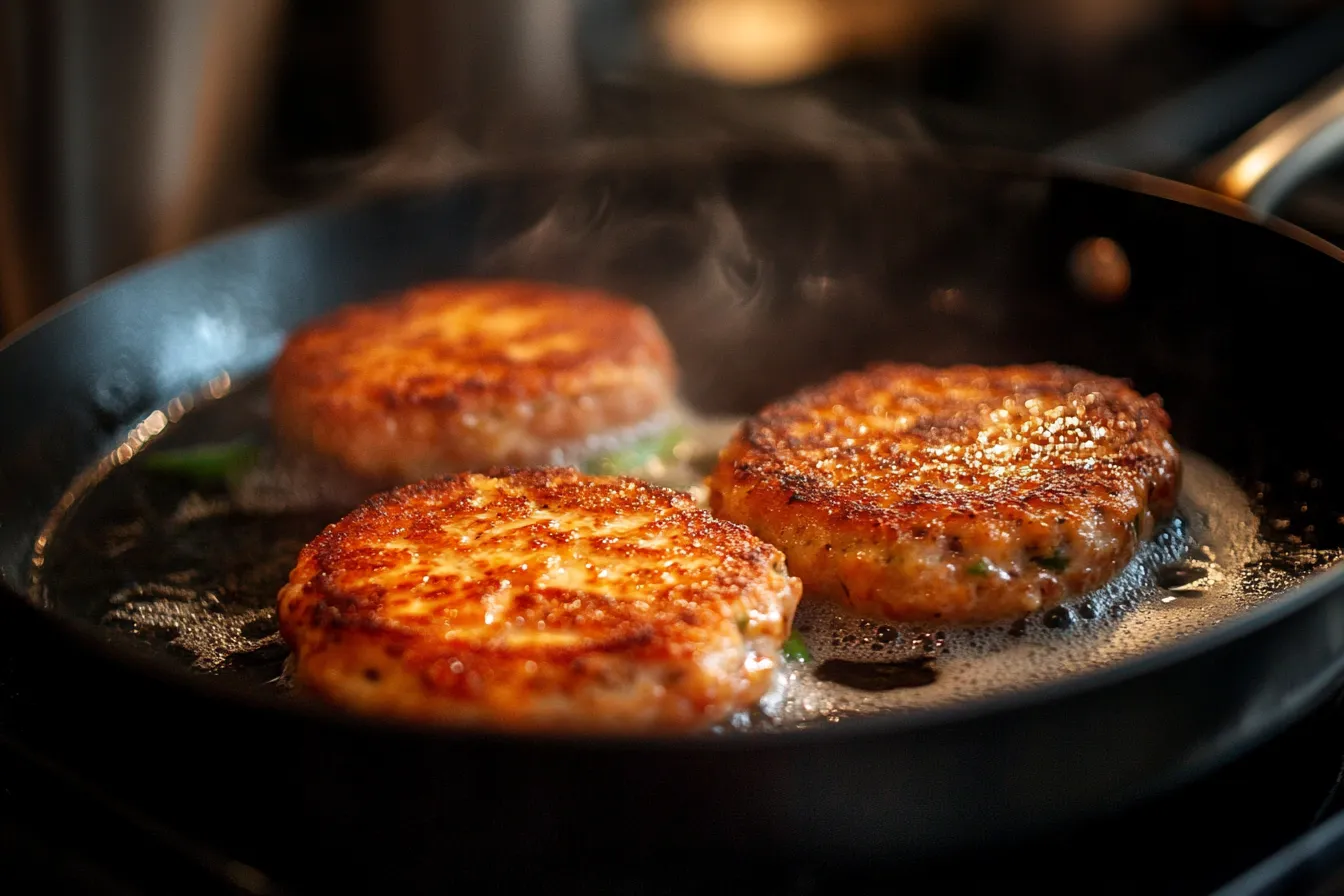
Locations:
{"points": [[978, 568], [211, 463], [1056, 561], [794, 650], [637, 455]]}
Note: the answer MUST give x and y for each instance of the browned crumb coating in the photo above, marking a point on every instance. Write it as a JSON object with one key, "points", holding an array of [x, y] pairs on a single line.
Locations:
{"points": [[539, 599], [965, 494], [468, 374]]}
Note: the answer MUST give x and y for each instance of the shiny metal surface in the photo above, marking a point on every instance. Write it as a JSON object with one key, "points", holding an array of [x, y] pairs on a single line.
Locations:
{"points": [[1288, 147], [131, 129], [126, 130]]}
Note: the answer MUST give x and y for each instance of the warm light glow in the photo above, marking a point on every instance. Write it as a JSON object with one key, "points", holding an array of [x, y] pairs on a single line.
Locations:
{"points": [[1250, 169], [747, 40]]}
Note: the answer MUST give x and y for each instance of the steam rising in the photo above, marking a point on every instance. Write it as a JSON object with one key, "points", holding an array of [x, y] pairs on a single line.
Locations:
{"points": [[755, 257], [758, 227], [770, 269]]}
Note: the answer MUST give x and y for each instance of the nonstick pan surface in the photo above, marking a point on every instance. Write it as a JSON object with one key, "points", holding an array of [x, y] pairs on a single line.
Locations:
{"points": [[770, 269]]}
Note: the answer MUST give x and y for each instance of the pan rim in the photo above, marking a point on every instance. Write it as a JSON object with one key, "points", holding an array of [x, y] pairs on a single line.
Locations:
{"points": [[1319, 585], [1006, 162], [92, 639]]}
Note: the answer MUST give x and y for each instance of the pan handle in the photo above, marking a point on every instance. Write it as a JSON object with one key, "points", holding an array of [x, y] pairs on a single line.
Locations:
{"points": [[1264, 166]]}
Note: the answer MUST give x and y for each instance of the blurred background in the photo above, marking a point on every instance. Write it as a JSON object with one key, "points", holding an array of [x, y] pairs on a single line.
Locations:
{"points": [[131, 128]]}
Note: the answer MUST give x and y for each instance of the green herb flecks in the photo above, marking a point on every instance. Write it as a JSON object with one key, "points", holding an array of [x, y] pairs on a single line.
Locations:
{"points": [[211, 463], [795, 650], [978, 568], [635, 457], [1058, 561]]}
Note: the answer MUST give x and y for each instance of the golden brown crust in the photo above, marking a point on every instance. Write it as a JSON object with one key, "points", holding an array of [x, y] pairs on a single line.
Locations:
{"points": [[467, 374], [538, 599], [964, 494]]}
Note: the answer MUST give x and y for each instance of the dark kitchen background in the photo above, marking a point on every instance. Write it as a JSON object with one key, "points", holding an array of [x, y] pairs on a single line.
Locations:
{"points": [[131, 128]]}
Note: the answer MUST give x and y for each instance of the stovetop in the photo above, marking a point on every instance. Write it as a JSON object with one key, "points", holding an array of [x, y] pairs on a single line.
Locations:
{"points": [[61, 832]]}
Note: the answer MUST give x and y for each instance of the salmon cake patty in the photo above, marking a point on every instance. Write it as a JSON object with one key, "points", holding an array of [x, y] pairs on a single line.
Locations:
{"points": [[539, 599], [462, 375], [966, 494]]}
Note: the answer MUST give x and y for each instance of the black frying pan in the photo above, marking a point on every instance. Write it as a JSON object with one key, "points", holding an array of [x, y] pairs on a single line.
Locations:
{"points": [[770, 268]]}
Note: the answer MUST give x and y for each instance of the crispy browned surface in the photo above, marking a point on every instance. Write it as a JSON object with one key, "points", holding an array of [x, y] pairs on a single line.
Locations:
{"points": [[469, 374], [539, 599], [965, 494]]}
